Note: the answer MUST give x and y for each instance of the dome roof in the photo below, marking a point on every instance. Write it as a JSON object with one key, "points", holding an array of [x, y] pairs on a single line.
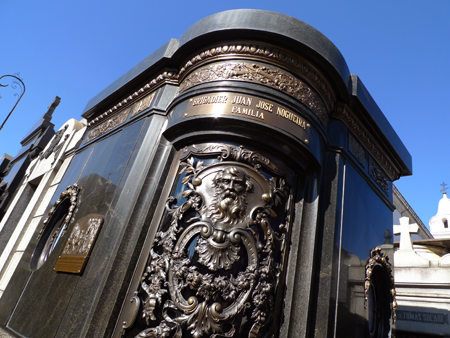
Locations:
{"points": [[439, 224], [444, 206]]}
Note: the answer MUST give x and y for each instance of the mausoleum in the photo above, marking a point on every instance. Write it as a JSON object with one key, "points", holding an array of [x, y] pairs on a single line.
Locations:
{"points": [[235, 183]]}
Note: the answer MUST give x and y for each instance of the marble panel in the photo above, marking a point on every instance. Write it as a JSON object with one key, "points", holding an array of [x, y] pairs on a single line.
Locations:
{"points": [[28, 233], [6, 276]]}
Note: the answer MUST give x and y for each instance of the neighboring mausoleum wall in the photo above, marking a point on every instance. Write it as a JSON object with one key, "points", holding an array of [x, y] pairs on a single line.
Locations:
{"points": [[26, 211]]}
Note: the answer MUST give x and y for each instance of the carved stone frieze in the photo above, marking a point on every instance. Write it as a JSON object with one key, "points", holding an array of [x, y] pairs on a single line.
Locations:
{"points": [[164, 77], [261, 74], [108, 125], [142, 104], [107, 121], [357, 150], [214, 268], [379, 258], [379, 176], [266, 53], [343, 113]]}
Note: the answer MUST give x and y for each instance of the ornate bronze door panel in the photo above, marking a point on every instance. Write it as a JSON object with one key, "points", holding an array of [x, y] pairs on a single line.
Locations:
{"points": [[216, 263]]}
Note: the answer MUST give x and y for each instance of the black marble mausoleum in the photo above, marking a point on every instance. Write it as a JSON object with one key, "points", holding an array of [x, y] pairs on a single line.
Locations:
{"points": [[236, 183]]}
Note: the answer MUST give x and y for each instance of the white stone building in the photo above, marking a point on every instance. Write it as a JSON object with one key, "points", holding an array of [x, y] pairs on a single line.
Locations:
{"points": [[422, 272]]}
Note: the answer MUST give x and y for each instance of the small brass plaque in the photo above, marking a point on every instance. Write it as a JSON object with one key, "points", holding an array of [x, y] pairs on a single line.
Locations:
{"points": [[72, 264], [250, 107], [79, 244]]}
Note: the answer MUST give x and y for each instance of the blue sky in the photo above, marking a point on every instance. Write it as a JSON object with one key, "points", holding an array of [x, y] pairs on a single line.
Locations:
{"points": [[400, 50]]}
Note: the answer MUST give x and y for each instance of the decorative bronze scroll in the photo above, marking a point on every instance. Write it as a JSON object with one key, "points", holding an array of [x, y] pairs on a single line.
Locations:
{"points": [[261, 74], [379, 258], [216, 262], [265, 53]]}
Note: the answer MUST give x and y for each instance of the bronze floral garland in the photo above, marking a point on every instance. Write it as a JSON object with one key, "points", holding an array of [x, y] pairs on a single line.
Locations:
{"points": [[379, 258], [71, 192]]}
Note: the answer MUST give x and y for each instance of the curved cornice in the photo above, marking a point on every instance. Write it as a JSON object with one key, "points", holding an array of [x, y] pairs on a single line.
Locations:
{"points": [[282, 31], [273, 26]]}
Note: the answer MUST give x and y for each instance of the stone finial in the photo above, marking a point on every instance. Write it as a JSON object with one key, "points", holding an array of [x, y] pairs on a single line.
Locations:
{"points": [[51, 108]]}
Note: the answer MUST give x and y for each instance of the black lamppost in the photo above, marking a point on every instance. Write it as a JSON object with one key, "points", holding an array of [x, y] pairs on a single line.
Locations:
{"points": [[13, 85]]}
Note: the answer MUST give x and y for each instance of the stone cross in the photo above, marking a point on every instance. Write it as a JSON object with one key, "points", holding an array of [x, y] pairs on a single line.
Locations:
{"points": [[405, 230]]}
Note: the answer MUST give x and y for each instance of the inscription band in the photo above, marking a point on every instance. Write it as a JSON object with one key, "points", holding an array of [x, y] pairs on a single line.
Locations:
{"points": [[251, 107]]}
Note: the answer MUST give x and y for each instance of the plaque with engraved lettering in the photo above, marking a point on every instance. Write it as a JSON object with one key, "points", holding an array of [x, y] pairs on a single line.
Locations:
{"points": [[79, 244], [250, 107]]}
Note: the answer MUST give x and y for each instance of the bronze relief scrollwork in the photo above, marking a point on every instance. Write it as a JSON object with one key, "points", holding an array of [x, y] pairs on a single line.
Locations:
{"points": [[215, 264]]}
